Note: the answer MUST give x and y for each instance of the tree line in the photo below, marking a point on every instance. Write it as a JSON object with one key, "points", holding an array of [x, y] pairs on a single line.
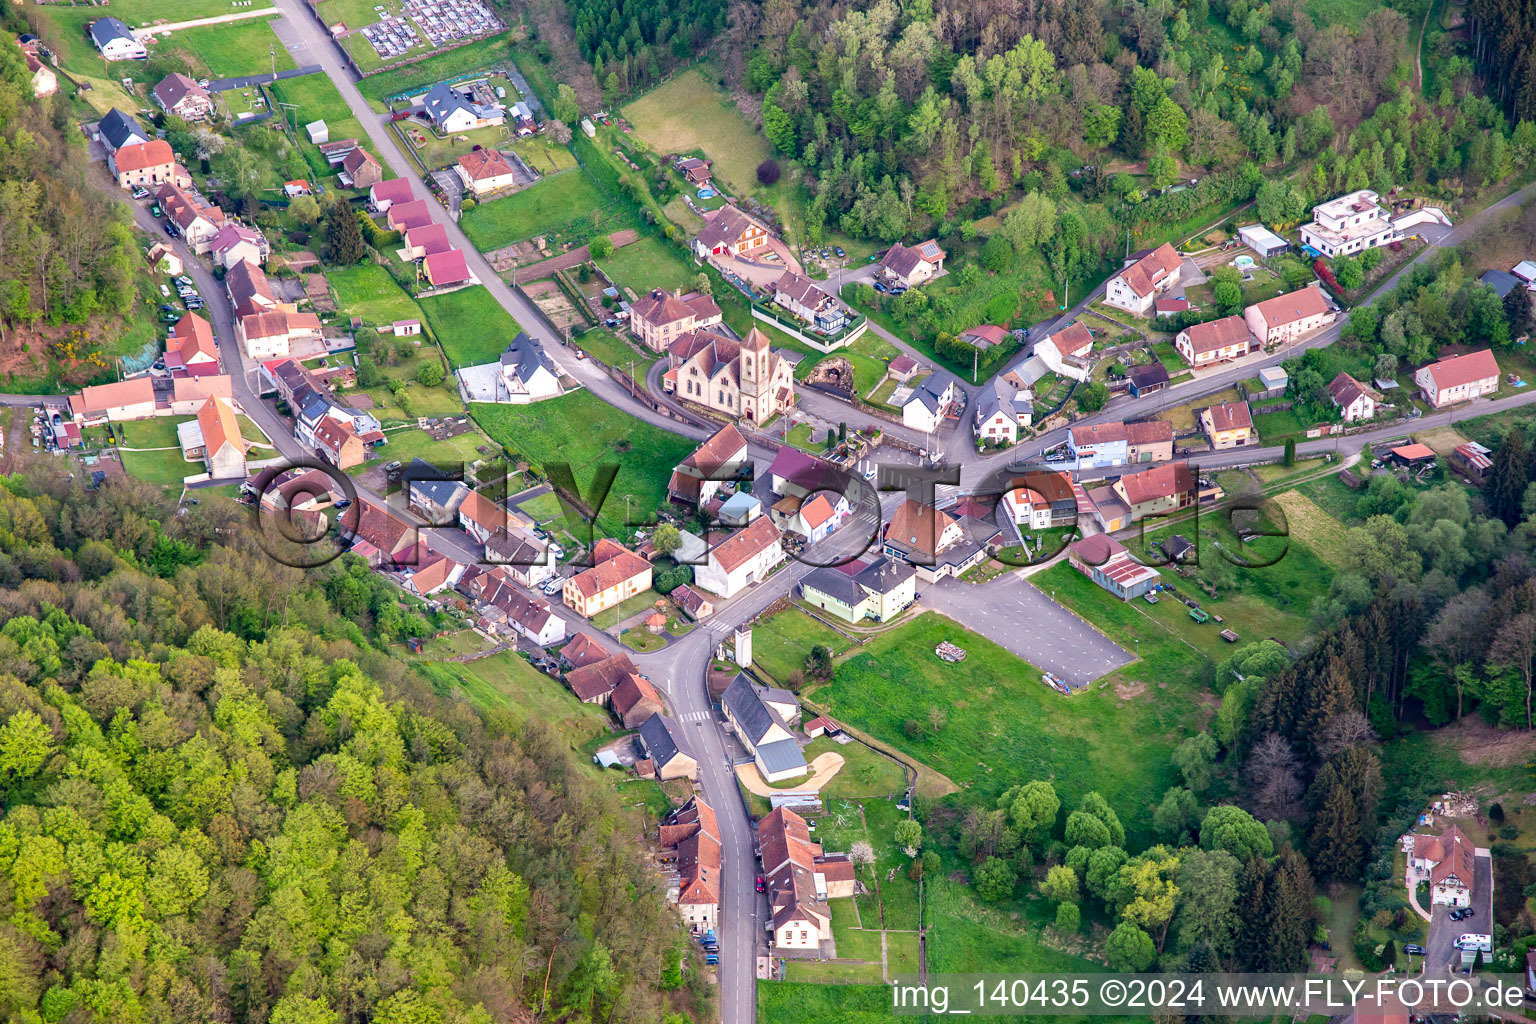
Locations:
{"points": [[225, 800]]}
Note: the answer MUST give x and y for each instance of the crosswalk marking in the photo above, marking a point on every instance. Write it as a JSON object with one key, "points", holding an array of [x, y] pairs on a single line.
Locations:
{"points": [[695, 716]]}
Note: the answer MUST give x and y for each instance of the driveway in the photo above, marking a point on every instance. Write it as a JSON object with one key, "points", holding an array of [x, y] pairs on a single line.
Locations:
{"points": [[1015, 614], [1440, 953]]}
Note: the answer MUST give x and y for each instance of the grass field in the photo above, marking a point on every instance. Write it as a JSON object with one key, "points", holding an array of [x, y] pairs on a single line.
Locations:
{"points": [[1002, 725], [544, 154], [367, 291], [690, 113], [69, 39], [507, 683], [421, 75], [442, 400], [648, 263], [780, 643], [232, 49], [414, 443], [470, 324], [1315, 528], [166, 468], [1333, 497], [789, 1002], [585, 431], [567, 204], [864, 773], [317, 99]]}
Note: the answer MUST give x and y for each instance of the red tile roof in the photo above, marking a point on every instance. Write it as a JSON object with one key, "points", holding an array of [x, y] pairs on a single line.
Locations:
{"points": [[482, 164], [1231, 416], [744, 544], [1152, 484], [446, 267], [1217, 334], [1145, 274], [1288, 309], [154, 153], [1455, 371]]}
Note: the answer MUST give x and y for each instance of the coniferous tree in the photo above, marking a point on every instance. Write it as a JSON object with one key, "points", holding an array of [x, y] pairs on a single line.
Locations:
{"points": [[1290, 912], [1330, 694], [343, 236], [1252, 937], [1504, 487], [1334, 839], [1517, 310]]}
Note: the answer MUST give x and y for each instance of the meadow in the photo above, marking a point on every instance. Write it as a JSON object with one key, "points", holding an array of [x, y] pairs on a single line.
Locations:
{"points": [[470, 324], [567, 205]]}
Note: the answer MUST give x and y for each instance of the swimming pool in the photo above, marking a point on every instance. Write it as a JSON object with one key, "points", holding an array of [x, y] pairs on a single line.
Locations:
{"points": [[1243, 262]]}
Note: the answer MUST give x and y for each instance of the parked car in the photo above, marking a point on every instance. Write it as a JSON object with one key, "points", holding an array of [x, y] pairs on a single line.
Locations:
{"points": [[1413, 950], [880, 287], [762, 886], [141, 193], [839, 251], [154, 210], [166, 307], [170, 229]]}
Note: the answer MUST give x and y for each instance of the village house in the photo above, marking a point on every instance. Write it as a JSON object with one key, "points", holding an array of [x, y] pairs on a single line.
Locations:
{"points": [[1067, 352], [451, 112], [1446, 862], [198, 221], [116, 40], [742, 379], [507, 607], [1028, 509], [1136, 496], [746, 557], [378, 536], [985, 336], [594, 673], [1349, 224], [902, 369], [1148, 441], [764, 719], [249, 291], [526, 558], [1228, 425], [1354, 402], [143, 165], [44, 82], [634, 700], [1001, 410], [666, 748], [117, 129], [800, 473], [361, 169], [731, 232], [693, 603], [402, 217], [1147, 379], [814, 519], [696, 171], [616, 575], [191, 347], [1136, 287], [801, 878], [179, 95], [385, 194], [336, 152], [698, 477], [693, 834], [430, 572], [1105, 561], [1045, 497], [1097, 444], [125, 400], [935, 543], [879, 589], [1285, 318], [527, 373], [235, 242], [1214, 341], [272, 334], [164, 259], [484, 171], [424, 241], [1458, 378], [435, 500], [804, 299], [661, 317], [481, 518], [908, 266], [338, 441], [930, 401], [446, 269], [189, 394]]}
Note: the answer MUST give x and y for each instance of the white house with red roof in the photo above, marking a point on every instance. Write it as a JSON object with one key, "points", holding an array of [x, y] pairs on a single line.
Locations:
{"points": [[236, 242], [1458, 378], [191, 339], [404, 216], [387, 193], [1446, 861], [144, 165], [911, 265], [1354, 402], [1284, 318], [661, 317], [447, 269], [1137, 287], [742, 559]]}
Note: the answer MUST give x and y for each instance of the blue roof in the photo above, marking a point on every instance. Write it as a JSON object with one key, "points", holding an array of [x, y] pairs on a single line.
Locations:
{"points": [[781, 756], [739, 504]]}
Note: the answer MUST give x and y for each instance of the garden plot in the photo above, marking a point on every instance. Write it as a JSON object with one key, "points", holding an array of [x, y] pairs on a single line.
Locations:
{"points": [[553, 303]]}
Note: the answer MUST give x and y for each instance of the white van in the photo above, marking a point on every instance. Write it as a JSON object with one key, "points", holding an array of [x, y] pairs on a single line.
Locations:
{"points": [[1472, 941]]}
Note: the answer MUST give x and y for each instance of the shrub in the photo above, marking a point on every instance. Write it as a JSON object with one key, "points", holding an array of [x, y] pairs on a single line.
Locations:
{"points": [[664, 581], [768, 171], [600, 247], [1496, 811], [997, 254]]}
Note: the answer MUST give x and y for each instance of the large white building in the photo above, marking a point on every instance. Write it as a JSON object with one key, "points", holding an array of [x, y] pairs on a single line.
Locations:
{"points": [[1349, 224], [742, 559]]}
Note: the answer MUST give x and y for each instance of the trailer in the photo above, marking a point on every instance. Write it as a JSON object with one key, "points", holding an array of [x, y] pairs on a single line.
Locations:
{"points": [[1199, 615], [1229, 636]]}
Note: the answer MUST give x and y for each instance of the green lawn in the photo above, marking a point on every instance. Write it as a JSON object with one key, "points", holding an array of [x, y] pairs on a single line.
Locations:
{"points": [[166, 468], [317, 99], [414, 443], [156, 432], [442, 400], [869, 356], [1275, 427], [649, 263], [611, 617], [617, 351], [232, 49], [568, 205], [368, 291], [1002, 726], [585, 431], [864, 774], [74, 48], [421, 75], [780, 643], [508, 684], [690, 113], [1335, 498], [470, 324]]}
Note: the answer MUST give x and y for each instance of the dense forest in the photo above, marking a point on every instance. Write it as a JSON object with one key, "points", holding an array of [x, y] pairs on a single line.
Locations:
{"points": [[633, 43], [1504, 45], [67, 253], [906, 117], [224, 800]]}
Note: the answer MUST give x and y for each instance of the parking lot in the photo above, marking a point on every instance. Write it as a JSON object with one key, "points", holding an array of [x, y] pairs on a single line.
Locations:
{"points": [[1440, 952]]}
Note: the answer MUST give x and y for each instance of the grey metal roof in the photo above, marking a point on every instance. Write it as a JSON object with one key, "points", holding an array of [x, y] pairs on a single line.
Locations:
{"points": [[527, 357], [117, 128], [663, 739], [747, 708], [835, 584], [884, 575], [780, 756], [1501, 281], [439, 492], [931, 391], [104, 30]]}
